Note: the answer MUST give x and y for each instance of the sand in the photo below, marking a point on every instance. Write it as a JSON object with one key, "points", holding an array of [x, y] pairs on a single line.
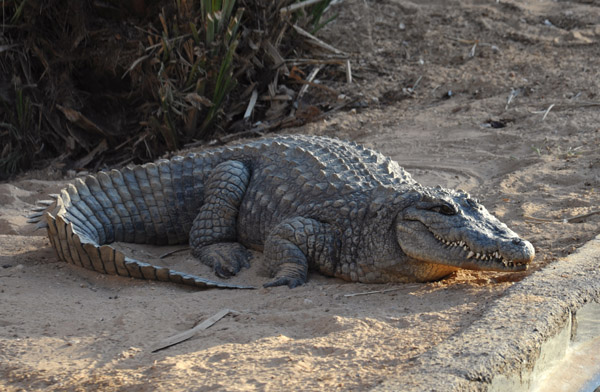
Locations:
{"points": [[65, 328]]}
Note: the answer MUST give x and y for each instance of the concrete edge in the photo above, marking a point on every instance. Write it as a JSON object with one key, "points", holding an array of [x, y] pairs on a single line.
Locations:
{"points": [[523, 333]]}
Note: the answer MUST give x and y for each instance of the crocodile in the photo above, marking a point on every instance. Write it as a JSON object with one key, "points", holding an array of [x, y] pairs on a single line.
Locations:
{"points": [[306, 202]]}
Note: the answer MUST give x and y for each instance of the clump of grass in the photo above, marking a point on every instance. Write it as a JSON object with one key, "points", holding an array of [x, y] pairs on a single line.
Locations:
{"points": [[15, 131], [192, 55], [313, 16], [107, 83]]}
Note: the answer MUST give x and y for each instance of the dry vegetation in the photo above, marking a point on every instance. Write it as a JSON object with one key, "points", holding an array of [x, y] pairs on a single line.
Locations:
{"points": [[91, 84]]}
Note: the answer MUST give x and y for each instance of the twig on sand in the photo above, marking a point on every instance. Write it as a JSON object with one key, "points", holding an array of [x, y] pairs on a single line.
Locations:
{"points": [[318, 42], [374, 292], [165, 255], [565, 106], [547, 111], [348, 72], [573, 219], [513, 94], [297, 6], [472, 51], [333, 60], [185, 335], [577, 218], [309, 81], [411, 90], [251, 104], [533, 218]]}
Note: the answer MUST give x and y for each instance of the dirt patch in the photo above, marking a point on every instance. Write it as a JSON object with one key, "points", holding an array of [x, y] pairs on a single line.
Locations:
{"points": [[497, 98]]}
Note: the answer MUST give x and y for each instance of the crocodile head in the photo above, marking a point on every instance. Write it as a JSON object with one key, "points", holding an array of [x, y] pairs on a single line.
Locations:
{"points": [[450, 228]]}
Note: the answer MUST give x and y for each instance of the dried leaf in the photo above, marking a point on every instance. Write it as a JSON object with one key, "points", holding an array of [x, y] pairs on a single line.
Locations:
{"points": [[81, 121], [185, 335], [197, 98]]}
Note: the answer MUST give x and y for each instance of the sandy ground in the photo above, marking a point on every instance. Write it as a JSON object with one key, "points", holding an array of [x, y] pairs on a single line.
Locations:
{"points": [[533, 160]]}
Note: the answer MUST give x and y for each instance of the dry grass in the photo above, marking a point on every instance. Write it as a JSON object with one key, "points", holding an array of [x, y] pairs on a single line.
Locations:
{"points": [[88, 85]]}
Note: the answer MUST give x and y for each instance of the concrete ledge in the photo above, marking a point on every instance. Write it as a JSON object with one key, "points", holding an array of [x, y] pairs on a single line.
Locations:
{"points": [[522, 335]]}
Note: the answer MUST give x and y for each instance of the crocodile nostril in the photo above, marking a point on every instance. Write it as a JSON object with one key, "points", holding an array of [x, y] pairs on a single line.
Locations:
{"points": [[517, 241]]}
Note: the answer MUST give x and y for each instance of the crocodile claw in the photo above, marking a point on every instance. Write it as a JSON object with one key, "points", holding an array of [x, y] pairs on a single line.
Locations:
{"points": [[283, 281], [227, 259]]}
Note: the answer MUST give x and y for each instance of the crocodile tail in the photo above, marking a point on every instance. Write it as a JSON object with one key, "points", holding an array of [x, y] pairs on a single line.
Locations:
{"points": [[153, 203]]}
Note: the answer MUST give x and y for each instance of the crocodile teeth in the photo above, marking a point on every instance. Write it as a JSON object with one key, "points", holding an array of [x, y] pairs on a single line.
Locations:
{"points": [[492, 256]]}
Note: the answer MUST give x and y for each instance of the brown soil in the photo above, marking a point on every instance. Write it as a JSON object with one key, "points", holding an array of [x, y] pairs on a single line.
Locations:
{"points": [[533, 161]]}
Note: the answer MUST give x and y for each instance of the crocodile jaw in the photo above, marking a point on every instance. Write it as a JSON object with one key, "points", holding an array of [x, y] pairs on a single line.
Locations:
{"points": [[464, 247]]}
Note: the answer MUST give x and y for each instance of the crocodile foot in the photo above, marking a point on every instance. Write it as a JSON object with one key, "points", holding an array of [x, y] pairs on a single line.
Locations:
{"points": [[293, 274], [285, 280], [226, 258]]}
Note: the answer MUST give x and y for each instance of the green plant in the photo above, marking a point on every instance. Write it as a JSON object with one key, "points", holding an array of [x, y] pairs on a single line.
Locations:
{"points": [[219, 23], [23, 111], [18, 13], [314, 14], [194, 62], [14, 132]]}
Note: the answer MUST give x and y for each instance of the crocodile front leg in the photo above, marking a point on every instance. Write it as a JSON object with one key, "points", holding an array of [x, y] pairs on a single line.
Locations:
{"points": [[213, 234], [296, 244]]}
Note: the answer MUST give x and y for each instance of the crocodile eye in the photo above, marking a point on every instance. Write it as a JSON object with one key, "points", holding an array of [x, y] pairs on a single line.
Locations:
{"points": [[444, 209], [473, 203]]}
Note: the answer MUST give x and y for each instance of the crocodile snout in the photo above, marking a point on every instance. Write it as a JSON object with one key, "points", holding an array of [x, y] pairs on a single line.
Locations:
{"points": [[518, 250]]}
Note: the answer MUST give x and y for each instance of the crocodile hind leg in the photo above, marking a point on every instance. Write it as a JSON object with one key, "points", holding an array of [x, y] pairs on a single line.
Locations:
{"points": [[213, 233], [296, 244]]}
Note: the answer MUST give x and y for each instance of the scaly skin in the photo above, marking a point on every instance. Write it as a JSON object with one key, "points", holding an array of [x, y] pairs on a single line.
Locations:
{"points": [[307, 202]]}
